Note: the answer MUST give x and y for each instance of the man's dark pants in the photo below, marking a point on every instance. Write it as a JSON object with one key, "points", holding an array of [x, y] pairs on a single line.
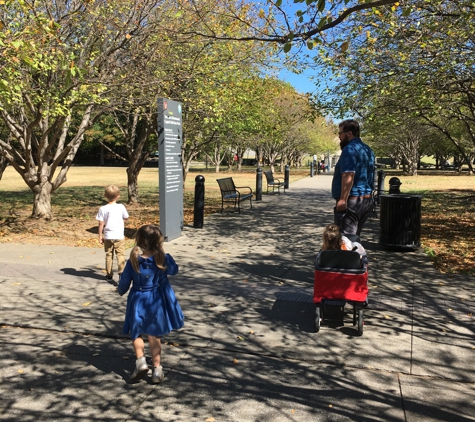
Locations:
{"points": [[358, 210]]}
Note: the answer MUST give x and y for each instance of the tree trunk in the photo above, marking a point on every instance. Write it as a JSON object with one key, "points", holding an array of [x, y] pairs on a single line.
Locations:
{"points": [[3, 165], [42, 201], [217, 157], [132, 185], [259, 156]]}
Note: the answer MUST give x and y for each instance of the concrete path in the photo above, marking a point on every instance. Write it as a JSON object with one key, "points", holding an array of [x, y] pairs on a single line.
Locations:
{"points": [[248, 351]]}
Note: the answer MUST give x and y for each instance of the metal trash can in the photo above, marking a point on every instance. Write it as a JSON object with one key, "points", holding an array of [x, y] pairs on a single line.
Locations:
{"points": [[400, 221]]}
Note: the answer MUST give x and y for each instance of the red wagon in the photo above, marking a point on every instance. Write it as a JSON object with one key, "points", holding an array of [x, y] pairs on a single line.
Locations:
{"points": [[340, 279]]}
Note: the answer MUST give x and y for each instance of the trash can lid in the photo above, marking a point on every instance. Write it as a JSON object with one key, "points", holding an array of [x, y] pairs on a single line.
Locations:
{"points": [[394, 181]]}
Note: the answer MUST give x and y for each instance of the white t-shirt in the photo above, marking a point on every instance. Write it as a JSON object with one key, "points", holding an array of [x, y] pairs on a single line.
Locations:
{"points": [[113, 216]]}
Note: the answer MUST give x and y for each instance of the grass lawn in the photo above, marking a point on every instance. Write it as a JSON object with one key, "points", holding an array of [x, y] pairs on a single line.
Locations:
{"points": [[76, 202], [448, 208]]}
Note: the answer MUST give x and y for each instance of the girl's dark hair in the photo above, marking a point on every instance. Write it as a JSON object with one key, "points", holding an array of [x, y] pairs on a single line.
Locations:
{"points": [[149, 238], [331, 238]]}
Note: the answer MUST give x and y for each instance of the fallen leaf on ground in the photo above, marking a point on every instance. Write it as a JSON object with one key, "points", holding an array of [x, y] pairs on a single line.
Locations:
{"points": [[86, 303], [125, 357], [21, 371], [245, 280], [251, 332], [235, 360], [16, 284], [240, 338], [95, 354]]}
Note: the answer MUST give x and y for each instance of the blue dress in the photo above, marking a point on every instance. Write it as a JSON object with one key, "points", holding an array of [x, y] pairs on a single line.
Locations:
{"points": [[152, 307]]}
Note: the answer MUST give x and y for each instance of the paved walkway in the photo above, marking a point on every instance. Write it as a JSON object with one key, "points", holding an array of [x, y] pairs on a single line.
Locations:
{"points": [[248, 351]]}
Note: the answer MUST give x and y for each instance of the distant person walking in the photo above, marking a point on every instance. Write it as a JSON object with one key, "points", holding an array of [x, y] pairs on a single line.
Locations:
{"points": [[152, 307], [353, 179], [111, 230]]}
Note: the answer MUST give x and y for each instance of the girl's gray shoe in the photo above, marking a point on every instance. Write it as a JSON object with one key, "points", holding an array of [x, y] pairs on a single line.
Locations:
{"points": [[157, 374], [141, 369]]}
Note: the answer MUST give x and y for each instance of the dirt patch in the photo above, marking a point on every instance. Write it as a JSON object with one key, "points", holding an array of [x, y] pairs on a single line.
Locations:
{"points": [[76, 231]]}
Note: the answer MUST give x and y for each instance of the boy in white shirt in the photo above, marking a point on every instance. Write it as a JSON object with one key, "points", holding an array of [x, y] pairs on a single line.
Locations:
{"points": [[111, 230]]}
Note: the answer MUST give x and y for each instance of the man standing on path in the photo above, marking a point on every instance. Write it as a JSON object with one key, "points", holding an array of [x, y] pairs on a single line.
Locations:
{"points": [[353, 179]]}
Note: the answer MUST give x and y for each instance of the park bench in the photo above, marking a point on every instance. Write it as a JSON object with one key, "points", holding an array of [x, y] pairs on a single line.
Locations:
{"points": [[230, 193], [275, 183]]}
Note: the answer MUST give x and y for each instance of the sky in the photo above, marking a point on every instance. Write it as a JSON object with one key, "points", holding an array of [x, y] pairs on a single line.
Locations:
{"points": [[300, 82]]}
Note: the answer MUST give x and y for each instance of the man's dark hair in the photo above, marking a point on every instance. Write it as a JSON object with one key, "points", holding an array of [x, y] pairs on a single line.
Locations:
{"points": [[350, 125]]}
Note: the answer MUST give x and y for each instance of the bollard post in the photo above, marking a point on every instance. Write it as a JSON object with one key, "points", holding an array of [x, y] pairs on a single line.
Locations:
{"points": [[198, 213], [375, 178], [311, 169], [286, 176], [381, 177], [259, 184]]}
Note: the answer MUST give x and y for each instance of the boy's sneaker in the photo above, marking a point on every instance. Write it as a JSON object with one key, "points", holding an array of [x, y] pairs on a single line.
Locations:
{"points": [[141, 369], [109, 277], [157, 374]]}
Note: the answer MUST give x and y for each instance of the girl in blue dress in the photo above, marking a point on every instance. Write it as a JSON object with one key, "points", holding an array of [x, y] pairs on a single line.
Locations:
{"points": [[152, 307]]}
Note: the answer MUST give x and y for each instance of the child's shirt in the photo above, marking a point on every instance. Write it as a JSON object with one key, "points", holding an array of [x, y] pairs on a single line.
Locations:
{"points": [[113, 216], [346, 244]]}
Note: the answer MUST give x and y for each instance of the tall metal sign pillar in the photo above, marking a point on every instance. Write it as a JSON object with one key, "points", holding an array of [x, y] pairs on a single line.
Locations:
{"points": [[170, 168]]}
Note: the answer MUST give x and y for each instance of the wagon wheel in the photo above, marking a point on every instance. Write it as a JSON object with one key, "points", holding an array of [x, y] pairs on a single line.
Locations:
{"points": [[317, 319], [360, 322]]}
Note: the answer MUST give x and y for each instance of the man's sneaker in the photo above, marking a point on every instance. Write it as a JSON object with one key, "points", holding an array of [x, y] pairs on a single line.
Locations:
{"points": [[157, 374], [141, 369]]}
